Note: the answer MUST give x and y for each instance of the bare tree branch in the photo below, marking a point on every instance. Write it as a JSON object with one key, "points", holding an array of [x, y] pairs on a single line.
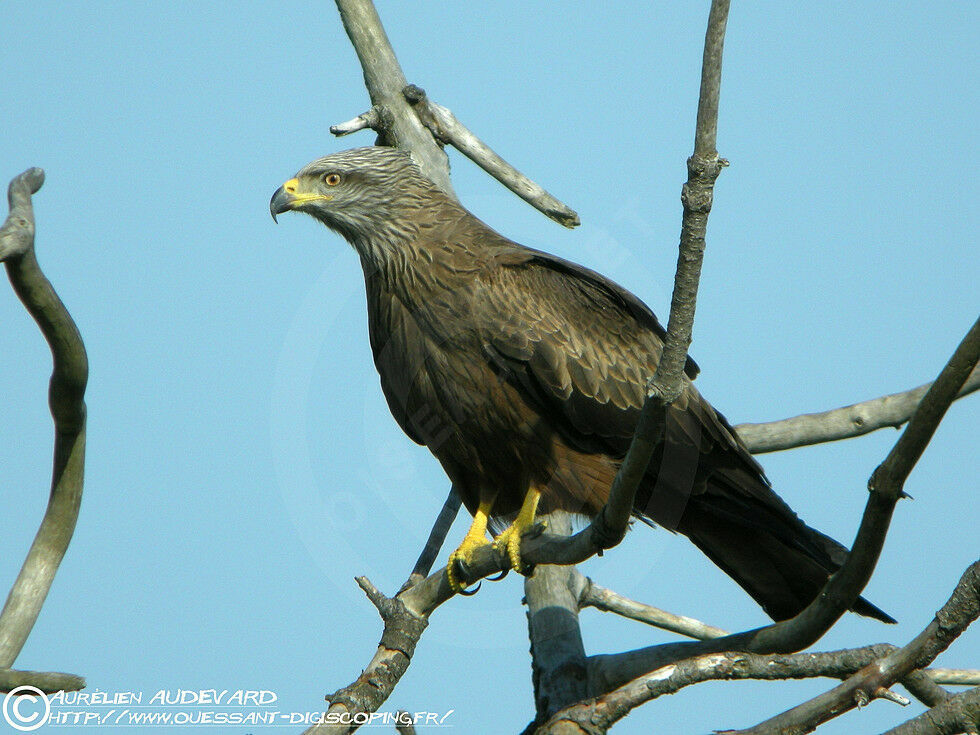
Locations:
{"points": [[48, 682], [369, 119], [447, 129], [402, 630], [594, 595], [956, 677], [598, 714], [66, 400], [608, 672], [703, 167], [437, 537], [841, 423], [891, 474], [962, 608], [558, 662]]}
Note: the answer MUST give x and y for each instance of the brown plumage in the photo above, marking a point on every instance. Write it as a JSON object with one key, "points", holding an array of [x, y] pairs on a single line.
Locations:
{"points": [[520, 370]]}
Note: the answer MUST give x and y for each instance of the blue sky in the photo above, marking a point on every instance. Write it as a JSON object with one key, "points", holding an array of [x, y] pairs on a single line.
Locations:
{"points": [[242, 465]]}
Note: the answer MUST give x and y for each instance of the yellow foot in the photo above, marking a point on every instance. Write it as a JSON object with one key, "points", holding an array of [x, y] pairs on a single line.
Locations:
{"points": [[510, 540], [460, 558]]}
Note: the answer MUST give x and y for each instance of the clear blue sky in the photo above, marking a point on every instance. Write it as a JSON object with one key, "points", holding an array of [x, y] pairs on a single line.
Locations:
{"points": [[242, 465]]}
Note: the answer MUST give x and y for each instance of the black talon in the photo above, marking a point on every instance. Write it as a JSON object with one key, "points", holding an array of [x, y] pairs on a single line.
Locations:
{"points": [[500, 576], [472, 592]]}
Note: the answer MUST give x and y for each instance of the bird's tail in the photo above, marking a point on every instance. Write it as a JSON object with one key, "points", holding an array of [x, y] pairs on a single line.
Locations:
{"points": [[755, 538]]}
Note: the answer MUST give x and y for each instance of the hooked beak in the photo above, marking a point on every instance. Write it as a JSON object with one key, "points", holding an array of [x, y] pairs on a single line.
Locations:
{"points": [[288, 197], [284, 199]]}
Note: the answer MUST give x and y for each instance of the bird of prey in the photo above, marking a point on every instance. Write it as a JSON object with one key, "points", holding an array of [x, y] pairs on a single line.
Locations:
{"points": [[524, 374]]}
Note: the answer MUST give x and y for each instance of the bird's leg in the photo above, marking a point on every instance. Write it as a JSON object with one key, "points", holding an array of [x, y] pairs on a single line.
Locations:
{"points": [[510, 539], [474, 539]]}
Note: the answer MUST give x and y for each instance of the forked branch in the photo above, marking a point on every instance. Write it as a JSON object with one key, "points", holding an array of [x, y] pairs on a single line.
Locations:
{"points": [[868, 672], [403, 116], [962, 608]]}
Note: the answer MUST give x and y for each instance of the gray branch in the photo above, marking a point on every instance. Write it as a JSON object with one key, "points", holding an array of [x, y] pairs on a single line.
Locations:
{"points": [[370, 119], [606, 709], [608, 672], [447, 129], [48, 682], [66, 400], [558, 661], [841, 423], [594, 595], [437, 537], [614, 692], [704, 166], [885, 485], [956, 677]]}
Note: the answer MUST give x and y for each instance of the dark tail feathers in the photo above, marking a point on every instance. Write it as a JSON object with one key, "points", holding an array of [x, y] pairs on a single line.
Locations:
{"points": [[760, 543]]}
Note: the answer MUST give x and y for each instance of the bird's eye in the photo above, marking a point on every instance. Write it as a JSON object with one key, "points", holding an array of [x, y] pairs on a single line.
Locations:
{"points": [[331, 179]]}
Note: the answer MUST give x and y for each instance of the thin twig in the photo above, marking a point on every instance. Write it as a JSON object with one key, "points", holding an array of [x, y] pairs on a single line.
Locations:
{"points": [[595, 595], [369, 119], [924, 688], [66, 400], [704, 166], [437, 537], [447, 129], [841, 423]]}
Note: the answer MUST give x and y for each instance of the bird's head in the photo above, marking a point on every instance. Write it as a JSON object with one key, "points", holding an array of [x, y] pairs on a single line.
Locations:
{"points": [[363, 193]]}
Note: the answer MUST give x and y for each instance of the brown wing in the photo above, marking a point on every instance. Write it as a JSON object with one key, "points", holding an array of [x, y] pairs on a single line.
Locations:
{"points": [[583, 349]]}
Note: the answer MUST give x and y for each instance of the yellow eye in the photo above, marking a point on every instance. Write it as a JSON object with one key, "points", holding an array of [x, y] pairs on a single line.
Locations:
{"points": [[331, 179]]}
